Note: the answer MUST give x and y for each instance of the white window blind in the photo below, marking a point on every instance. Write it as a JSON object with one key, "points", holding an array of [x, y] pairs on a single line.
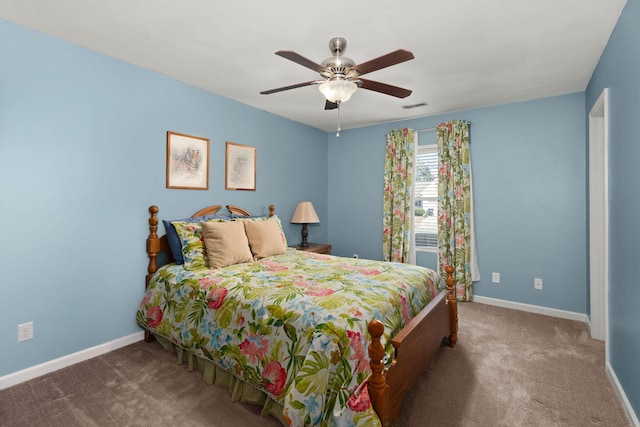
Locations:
{"points": [[426, 197]]}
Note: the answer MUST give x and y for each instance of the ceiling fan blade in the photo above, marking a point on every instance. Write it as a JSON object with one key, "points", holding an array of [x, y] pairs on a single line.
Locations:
{"points": [[330, 105], [280, 89], [396, 91], [384, 61], [299, 59]]}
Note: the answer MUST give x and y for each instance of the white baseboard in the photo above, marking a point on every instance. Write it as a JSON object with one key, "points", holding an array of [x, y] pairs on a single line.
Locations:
{"points": [[581, 317], [64, 361], [633, 417]]}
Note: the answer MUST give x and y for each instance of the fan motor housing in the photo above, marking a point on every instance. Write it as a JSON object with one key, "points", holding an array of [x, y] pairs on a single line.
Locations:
{"points": [[337, 65]]}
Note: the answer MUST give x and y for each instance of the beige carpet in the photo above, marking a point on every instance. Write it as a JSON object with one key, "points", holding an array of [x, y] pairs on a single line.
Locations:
{"points": [[510, 368]]}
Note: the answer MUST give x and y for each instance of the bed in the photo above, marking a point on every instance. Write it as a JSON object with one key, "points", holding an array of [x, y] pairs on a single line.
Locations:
{"points": [[316, 339]]}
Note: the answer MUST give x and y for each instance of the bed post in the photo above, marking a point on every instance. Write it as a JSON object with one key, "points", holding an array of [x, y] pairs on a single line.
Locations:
{"points": [[453, 306], [153, 247], [378, 388]]}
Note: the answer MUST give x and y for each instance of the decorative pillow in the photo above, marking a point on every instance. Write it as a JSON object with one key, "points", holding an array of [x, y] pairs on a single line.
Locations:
{"points": [[238, 216], [267, 218], [175, 244], [265, 237], [226, 243], [193, 249]]}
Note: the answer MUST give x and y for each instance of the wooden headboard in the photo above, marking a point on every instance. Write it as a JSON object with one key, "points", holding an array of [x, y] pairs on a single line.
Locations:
{"points": [[159, 244]]}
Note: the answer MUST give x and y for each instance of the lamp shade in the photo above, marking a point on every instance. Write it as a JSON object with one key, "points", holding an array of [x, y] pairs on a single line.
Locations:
{"points": [[338, 90], [305, 214]]}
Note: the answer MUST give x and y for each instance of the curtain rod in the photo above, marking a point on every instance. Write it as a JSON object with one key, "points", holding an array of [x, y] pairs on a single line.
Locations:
{"points": [[429, 129]]}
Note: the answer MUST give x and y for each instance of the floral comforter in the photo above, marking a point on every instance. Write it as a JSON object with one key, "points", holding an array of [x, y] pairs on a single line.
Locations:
{"points": [[292, 325]]}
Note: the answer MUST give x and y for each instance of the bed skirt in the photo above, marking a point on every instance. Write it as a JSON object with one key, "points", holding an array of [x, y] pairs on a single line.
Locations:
{"points": [[215, 375]]}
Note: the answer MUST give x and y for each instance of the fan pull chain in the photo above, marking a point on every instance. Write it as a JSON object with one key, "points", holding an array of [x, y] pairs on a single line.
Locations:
{"points": [[338, 132]]}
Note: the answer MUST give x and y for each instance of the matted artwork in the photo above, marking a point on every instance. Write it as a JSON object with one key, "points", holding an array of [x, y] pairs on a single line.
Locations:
{"points": [[241, 167], [187, 162]]}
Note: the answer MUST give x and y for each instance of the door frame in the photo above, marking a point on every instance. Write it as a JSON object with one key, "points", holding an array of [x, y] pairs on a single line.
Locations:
{"points": [[599, 219]]}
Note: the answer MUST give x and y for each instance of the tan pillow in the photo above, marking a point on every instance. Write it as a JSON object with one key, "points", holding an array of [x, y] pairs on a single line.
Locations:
{"points": [[226, 243], [265, 237]]}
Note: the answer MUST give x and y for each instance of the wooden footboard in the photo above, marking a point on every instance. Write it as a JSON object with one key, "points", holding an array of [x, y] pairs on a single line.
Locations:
{"points": [[414, 347]]}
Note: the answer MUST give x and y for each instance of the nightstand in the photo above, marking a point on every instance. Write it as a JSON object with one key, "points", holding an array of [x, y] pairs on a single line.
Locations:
{"points": [[319, 248]]}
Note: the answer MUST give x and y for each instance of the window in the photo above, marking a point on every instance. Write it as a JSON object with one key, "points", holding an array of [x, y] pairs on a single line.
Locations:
{"points": [[426, 198]]}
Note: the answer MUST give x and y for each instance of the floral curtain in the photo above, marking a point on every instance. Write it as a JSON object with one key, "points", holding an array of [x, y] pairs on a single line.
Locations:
{"points": [[456, 237], [398, 178]]}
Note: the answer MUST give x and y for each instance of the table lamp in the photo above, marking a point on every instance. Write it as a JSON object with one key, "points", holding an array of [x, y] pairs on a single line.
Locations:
{"points": [[304, 214]]}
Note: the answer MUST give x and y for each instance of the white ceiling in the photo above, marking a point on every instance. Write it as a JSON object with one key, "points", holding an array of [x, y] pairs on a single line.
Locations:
{"points": [[468, 53]]}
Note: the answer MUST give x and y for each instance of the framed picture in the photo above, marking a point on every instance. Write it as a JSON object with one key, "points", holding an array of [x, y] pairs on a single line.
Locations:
{"points": [[241, 167], [187, 162]]}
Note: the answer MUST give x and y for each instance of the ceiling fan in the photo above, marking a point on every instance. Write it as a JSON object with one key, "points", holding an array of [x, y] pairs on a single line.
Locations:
{"points": [[341, 76]]}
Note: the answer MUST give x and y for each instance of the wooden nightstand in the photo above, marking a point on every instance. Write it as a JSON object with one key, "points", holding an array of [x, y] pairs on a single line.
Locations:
{"points": [[319, 248]]}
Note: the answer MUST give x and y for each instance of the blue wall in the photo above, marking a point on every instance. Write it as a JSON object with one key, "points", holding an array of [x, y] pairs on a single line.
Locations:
{"points": [[82, 156], [530, 196], [619, 70]]}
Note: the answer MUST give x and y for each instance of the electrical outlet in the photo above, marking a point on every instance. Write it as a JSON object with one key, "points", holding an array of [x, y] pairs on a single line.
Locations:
{"points": [[25, 331], [495, 277], [537, 284], [356, 256]]}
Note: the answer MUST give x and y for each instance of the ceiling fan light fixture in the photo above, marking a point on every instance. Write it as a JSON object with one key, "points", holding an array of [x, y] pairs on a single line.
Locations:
{"points": [[338, 90]]}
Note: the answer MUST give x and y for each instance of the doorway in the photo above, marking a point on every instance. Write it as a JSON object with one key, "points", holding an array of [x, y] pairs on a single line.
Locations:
{"points": [[599, 218]]}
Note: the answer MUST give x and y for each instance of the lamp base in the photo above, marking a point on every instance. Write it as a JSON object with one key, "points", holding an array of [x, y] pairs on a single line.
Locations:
{"points": [[305, 233]]}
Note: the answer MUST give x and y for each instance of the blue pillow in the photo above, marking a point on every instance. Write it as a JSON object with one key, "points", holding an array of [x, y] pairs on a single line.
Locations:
{"points": [[175, 244]]}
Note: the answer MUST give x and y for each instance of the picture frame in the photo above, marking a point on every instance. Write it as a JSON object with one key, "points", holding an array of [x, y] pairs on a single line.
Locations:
{"points": [[240, 170], [187, 161]]}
